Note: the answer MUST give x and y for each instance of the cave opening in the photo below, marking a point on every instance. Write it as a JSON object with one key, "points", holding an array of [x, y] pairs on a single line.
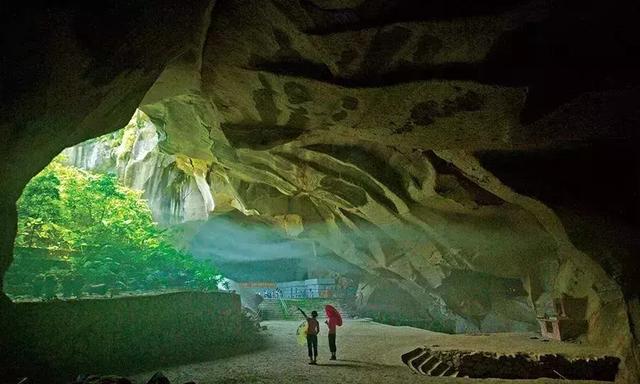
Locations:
{"points": [[92, 224]]}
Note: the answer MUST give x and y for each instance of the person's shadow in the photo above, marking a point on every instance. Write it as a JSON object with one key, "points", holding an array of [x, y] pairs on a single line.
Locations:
{"points": [[353, 364], [348, 365]]}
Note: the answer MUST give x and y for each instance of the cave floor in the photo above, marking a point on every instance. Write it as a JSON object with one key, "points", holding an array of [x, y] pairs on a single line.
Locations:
{"points": [[368, 352]]}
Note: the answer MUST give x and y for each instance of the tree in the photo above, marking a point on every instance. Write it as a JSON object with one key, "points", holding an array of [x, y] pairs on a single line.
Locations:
{"points": [[107, 232], [39, 211]]}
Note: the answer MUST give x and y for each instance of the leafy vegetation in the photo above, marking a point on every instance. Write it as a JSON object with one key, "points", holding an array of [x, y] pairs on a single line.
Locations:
{"points": [[81, 233]]}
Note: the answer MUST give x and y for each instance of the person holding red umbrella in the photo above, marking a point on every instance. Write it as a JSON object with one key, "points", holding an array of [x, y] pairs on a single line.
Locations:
{"points": [[334, 319]]}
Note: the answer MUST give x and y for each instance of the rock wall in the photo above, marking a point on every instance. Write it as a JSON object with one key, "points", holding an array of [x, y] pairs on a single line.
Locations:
{"points": [[128, 334], [174, 186]]}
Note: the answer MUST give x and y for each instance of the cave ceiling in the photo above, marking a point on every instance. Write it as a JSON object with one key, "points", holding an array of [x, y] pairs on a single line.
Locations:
{"points": [[354, 124]]}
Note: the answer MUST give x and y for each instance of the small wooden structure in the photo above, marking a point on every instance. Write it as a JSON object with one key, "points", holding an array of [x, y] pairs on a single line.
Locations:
{"points": [[568, 322]]}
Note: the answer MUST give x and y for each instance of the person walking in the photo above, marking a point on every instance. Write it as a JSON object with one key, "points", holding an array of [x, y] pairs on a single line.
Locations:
{"points": [[313, 329], [331, 324], [334, 319]]}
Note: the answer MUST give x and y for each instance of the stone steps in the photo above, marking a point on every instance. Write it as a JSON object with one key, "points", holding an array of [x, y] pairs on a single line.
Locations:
{"points": [[520, 365], [271, 309], [422, 361]]}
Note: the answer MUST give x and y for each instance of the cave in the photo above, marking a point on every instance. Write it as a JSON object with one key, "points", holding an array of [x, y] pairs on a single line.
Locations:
{"points": [[458, 178]]}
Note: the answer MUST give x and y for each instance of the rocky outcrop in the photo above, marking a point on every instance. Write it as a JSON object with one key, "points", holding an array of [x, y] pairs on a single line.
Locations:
{"points": [[174, 185]]}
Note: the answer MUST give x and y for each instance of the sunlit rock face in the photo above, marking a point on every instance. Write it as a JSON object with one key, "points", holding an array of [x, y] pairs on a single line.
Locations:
{"points": [[174, 186], [362, 126]]}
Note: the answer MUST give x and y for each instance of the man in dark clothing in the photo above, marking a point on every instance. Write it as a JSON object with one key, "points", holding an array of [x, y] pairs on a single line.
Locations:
{"points": [[313, 328]]}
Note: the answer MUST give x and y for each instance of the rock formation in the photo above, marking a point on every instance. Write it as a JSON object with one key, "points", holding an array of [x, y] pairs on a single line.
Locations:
{"points": [[378, 130]]}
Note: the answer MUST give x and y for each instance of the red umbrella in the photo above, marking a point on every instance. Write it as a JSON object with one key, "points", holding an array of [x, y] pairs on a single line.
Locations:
{"points": [[333, 313]]}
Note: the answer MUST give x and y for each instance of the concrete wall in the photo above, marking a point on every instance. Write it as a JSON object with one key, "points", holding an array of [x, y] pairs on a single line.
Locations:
{"points": [[310, 288], [121, 335]]}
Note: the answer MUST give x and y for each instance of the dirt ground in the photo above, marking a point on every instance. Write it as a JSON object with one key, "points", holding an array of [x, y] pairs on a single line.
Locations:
{"points": [[368, 352]]}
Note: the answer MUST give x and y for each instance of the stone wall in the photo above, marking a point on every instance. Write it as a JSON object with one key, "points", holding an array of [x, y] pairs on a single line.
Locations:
{"points": [[123, 335]]}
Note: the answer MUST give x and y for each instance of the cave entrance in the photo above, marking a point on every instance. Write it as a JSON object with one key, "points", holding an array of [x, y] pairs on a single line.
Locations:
{"points": [[95, 222]]}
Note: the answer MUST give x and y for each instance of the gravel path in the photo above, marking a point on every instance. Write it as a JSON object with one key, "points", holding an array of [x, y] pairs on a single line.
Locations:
{"points": [[368, 352]]}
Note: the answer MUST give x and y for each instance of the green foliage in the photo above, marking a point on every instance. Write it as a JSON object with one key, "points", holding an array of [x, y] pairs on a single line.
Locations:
{"points": [[105, 235], [40, 209]]}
